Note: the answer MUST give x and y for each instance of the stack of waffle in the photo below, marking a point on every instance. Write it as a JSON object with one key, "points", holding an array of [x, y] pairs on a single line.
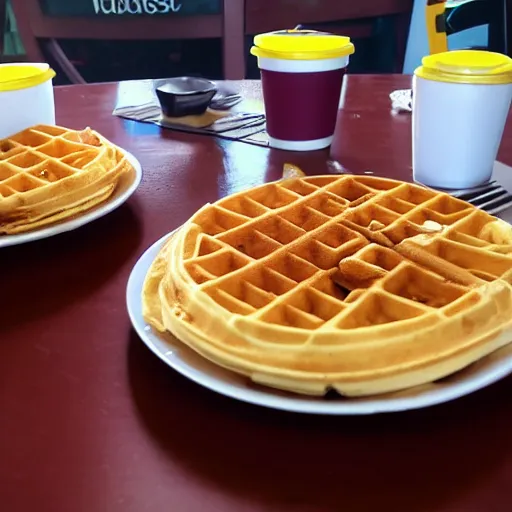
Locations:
{"points": [[49, 173], [358, 284]]}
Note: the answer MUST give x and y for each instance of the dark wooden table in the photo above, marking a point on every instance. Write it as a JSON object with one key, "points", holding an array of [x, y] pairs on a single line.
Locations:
{"points": [[91, 421]]}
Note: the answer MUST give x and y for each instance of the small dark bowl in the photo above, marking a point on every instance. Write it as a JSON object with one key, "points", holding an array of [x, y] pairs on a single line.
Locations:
{"points": [[185, 96]]}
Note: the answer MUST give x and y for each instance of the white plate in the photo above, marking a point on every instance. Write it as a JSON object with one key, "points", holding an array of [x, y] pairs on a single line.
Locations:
{"points": [[190, 364], [125, 188]]}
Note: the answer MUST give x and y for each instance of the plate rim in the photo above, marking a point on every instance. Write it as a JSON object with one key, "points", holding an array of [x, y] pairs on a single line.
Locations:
{"points": [[445, 392], [89, 216]]}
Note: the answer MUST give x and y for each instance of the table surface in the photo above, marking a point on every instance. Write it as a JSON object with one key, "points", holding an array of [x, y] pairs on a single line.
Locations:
{"points": [[90, 420]]}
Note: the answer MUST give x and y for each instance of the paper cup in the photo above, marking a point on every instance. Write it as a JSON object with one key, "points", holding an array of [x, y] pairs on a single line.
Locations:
{"points": [[460, 105], [301, 101], [302, 75], [26, 97]]}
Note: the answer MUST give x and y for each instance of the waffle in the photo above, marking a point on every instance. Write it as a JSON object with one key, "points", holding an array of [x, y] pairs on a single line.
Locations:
{"points": [[50, 173], [353, 283]]}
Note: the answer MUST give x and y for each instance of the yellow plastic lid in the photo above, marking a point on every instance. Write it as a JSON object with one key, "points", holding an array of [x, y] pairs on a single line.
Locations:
{"points": [[14, 77], [467, 67], [301, 45]]}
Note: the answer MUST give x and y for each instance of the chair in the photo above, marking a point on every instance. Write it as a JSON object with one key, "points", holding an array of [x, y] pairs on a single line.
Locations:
{"points": [[497, 14], [40, 33], [445, 18], [424, 39], [351, 18]]}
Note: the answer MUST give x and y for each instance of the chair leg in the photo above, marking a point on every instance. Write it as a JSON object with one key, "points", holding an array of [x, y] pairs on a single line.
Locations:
{"points": [[233, 42], [54, 49], [507, 6], [402, 24], [497, 25]]}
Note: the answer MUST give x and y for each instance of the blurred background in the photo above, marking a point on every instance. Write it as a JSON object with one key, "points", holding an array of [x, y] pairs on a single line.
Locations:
{"points": [[111, 40]]}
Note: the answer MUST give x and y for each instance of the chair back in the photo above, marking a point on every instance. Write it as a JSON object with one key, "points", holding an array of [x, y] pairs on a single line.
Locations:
{"points": [[443, 20], [133, 20], [288, 13]]}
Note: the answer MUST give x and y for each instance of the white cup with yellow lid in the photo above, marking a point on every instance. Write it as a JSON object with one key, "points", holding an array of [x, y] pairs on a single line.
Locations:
{"points": [[26, 96], [461, 101]]}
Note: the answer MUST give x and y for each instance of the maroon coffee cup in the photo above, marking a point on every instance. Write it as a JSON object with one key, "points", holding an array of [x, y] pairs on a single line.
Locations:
{"points": [[302, 75]]}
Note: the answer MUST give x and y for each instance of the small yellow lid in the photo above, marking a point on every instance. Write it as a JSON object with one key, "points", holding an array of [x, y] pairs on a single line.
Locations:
{"points": [[301, 45], [467, 67], [14, 77]]}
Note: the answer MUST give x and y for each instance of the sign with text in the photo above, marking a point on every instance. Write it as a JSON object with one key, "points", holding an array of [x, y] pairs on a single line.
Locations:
{"points": [[129, 7]]}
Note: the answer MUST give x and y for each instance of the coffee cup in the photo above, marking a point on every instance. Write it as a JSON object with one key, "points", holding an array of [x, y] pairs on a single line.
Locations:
{"points": [[301, 75], [460, 105], [26, 96]]}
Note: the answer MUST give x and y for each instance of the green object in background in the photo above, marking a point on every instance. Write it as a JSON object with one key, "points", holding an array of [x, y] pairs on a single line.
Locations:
{"points": [[12, 40]]}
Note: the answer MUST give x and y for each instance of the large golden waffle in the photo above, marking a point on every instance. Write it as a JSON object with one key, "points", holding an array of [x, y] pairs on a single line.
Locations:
{"points": [[357, 283], [49, 173]]}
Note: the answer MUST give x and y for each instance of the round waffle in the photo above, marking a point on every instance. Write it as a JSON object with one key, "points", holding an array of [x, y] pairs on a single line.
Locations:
{"points": [[49, 173], [354, 283]]}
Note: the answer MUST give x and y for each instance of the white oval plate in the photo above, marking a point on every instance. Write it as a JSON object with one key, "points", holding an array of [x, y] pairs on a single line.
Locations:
{"points": [[125, 188], [190, 364]]}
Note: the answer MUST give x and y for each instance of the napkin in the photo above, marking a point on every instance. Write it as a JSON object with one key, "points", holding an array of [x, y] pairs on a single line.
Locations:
{"points": [[401, 100], [244, 121]]}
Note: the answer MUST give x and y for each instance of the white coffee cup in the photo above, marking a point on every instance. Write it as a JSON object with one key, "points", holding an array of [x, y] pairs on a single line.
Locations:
{"points": [[460, 105], [26, 96]]}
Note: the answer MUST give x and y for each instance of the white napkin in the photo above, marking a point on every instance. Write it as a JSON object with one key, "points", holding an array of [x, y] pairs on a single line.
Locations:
{"points": [[401, 100]]}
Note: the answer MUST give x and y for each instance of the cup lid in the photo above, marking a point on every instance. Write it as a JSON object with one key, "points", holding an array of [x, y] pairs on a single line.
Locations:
{"points": [[467, 66], [14, 77], [301, 44]]}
